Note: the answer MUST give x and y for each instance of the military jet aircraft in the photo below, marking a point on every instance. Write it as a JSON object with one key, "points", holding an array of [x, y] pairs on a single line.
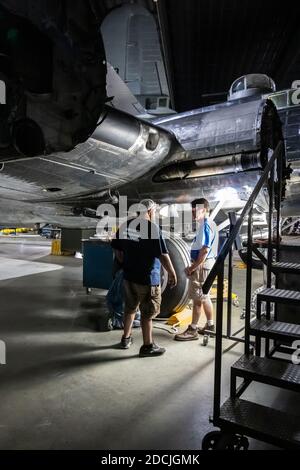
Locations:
{"points": [[65, 148]]}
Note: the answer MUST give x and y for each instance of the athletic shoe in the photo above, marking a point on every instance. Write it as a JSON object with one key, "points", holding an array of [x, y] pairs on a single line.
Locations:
{"points": [[126, 342], [151, 350]]}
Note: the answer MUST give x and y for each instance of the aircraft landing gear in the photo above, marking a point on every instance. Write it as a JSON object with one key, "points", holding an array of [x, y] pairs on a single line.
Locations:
{"points": [[219, 440]]}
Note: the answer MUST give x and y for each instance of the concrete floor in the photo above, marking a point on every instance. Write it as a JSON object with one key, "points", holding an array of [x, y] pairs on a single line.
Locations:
{"points": [[67, 386]]}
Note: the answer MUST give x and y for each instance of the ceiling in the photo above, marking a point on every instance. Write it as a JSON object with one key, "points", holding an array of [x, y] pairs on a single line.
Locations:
{"points": [[209, 43]]}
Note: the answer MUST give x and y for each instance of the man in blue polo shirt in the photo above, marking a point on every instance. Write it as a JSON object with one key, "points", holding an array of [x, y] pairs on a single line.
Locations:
{"points": [[139, 246], [204, 251]]}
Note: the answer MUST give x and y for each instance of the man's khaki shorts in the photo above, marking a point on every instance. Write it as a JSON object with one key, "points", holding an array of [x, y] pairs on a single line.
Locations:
{"points": [[147, 298], [196, 281]]}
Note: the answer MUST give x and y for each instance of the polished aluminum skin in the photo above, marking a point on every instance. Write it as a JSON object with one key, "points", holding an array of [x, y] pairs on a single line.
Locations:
{"points": [[84, 177]]}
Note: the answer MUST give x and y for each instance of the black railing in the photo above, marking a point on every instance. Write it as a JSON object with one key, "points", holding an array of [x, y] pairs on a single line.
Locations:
{"points": [[273, 168]]}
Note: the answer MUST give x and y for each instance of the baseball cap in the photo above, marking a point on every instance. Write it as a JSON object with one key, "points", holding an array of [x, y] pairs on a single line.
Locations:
{"points": [[147, 205]]}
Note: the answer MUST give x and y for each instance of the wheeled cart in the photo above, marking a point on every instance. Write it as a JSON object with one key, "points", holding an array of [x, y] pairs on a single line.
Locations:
{"points": [[97, 264]]}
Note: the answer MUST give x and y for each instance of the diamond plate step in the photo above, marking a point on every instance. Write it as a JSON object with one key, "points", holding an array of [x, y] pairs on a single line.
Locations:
{"points": [[279, 295], [289, 268], [275, 329], [268, 371], [260, 422]]}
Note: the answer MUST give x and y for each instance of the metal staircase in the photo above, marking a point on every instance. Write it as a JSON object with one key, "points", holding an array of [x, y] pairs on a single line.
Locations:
{"points": [[266, 371], [264, 338], [288, 268], [275, 330]]}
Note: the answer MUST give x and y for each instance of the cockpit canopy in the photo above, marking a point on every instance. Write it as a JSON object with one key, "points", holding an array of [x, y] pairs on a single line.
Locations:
{"points": [[249, 85]]}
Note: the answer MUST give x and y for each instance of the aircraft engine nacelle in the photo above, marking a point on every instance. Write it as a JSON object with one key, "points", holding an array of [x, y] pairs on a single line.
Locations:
{"points": [[52, 76]]}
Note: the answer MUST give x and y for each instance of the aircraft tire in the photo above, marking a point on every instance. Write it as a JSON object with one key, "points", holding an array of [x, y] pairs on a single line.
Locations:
{"points": [[256, 263], [175, 299]]}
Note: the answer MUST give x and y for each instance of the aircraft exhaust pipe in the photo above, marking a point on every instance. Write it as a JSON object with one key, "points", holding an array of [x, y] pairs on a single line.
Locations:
{"points": [[209, 167], [123, 130], [117, 128], [132, 145]]}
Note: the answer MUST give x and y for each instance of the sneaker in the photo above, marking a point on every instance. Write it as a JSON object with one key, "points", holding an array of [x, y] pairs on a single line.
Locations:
{"points": [[188, 335], [206, 329], [151, 350], [126, 342]]}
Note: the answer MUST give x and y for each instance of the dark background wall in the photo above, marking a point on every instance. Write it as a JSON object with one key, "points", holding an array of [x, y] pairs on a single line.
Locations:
{"points": [[209, 43]]}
